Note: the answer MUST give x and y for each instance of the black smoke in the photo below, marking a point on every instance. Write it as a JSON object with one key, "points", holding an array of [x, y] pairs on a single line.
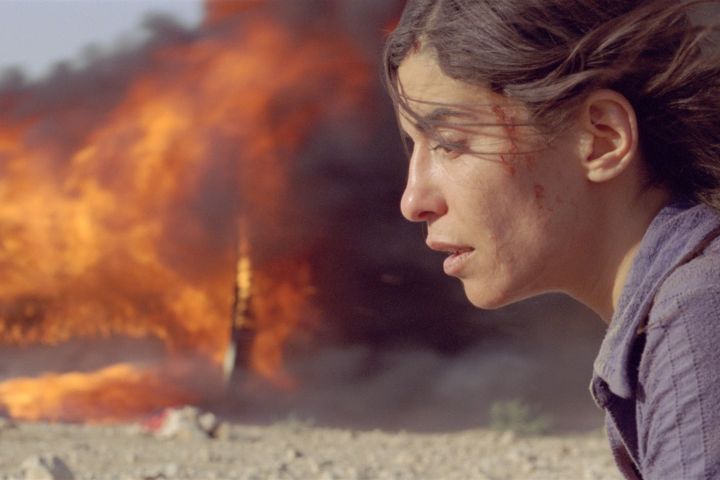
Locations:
{"points": [[399, 346]]}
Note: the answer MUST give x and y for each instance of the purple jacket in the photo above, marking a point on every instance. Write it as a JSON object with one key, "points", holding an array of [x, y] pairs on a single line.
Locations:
{"points": [[657, 375]]}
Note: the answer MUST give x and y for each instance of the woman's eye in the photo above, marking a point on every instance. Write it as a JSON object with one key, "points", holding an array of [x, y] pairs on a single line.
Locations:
{"points": [[449, 148], [442, 148]]}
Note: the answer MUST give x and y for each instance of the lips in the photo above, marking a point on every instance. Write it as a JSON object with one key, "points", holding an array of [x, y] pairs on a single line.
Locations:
{"points": [[458, 256]]}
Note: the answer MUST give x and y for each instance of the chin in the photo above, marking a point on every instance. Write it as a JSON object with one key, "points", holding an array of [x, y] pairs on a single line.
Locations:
{"points": [[492, 295], [488, 298]]}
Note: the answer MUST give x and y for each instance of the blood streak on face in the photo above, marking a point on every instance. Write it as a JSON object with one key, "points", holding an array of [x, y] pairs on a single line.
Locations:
{"points": [[508, 124]]}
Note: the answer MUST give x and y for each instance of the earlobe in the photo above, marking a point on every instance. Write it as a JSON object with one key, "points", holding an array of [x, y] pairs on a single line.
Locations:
{"points": [[601, 174], [610, 128]]}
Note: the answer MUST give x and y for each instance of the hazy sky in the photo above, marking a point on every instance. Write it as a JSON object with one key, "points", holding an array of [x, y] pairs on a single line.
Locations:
{"points": [[34, 34]]}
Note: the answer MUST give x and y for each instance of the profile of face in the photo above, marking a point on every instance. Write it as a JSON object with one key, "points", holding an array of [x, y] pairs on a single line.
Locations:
{"points": [[498, 197]]}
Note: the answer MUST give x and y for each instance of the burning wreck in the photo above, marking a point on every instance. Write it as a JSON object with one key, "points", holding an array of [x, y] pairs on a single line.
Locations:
{"points": [[122, 186], [177, 219]]}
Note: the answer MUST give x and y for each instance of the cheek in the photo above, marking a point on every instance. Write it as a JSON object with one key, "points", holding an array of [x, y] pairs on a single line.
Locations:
{"points": [[545, 185], [541, 201], [548, 201]]}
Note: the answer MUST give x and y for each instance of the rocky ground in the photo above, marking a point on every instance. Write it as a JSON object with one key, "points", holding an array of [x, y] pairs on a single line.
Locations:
{"points": [[189, 445]]}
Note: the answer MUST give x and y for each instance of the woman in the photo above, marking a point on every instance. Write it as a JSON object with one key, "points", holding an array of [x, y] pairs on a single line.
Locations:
{"points": [[573, 146]]}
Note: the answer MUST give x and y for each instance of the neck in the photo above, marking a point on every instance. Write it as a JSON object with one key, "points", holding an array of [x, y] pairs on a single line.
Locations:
{"points": [[625, 224]]}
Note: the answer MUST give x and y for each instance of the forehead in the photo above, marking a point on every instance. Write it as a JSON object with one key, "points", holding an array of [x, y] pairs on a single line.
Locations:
{"points": [[425, 87]]}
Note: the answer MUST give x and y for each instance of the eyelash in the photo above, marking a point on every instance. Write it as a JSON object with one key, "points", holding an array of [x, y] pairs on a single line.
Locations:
{"points": [[450, 148]]}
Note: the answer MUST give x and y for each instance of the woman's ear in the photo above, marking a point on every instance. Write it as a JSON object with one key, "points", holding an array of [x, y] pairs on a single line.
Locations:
{"points": [[610, 129]]}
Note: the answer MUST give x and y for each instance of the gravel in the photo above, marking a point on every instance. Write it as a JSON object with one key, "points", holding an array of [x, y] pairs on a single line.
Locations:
{"points": [[293, 450]]}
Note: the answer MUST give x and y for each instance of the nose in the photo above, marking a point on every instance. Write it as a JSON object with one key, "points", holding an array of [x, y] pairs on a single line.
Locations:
{"points": [[422, 200]]}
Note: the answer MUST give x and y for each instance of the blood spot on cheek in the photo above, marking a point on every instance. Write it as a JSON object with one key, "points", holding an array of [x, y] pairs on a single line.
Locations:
{"points": [[540, 197], [530, 162]]}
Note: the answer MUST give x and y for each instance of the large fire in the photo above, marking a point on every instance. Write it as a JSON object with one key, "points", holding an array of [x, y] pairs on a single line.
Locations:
{"points": [[127, 229]]}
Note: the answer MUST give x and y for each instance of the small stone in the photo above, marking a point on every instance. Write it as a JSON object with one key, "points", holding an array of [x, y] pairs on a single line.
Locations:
{"points": [[171, 470], [208, 422], [187, 422], [46, 467], [292, 454], [153, 475], [591, 474]]}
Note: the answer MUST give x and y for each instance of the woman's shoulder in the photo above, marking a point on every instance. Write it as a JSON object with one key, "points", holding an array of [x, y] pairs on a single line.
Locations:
{"points": [[691, 292], [677, 382]]}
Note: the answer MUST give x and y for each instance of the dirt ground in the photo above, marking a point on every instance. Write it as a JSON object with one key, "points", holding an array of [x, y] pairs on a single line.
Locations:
{"points": [[294, 450]]}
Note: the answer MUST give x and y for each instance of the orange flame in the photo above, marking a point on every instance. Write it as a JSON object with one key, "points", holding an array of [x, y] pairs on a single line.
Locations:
{"points": [[108, 395], [88, 231]]}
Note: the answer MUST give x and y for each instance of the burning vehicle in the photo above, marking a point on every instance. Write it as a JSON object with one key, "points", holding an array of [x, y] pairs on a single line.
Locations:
{"points": [[179, 219], [123, 185]]}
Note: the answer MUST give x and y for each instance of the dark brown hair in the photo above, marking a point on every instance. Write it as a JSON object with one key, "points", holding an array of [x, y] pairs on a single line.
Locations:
{"points": [[550, 54]]}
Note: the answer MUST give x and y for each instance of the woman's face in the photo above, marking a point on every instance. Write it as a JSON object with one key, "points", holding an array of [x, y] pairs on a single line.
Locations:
{"points": [[505, 216]]}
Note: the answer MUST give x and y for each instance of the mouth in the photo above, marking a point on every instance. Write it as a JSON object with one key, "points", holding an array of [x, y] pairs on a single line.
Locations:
{"points": [[458, 256]]}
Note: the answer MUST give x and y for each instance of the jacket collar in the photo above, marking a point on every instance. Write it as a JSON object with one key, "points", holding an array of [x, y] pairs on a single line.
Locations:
{"points": [[672, 238]]}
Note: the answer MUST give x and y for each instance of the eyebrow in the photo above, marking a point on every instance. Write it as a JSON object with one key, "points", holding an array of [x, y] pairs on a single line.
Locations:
{"points": [[443, 113], [439, 114]]}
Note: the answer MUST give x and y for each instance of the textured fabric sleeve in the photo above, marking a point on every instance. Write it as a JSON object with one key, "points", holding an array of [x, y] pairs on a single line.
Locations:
{"points": [[678, 413]]}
